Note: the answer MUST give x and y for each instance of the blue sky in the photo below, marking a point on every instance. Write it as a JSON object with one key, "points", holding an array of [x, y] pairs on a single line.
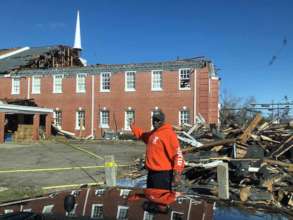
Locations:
{"points": [[240, 36]]}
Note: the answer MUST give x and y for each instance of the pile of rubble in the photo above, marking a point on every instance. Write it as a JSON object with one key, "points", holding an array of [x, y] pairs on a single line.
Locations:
{"points": [[259, 157]]}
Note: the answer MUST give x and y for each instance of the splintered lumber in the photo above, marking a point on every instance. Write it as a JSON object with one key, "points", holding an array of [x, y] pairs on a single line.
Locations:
{"points": [[246, 134], [282, 145], [191, 142], [265, 138], [65, 133], [244, 193], [195, 127], [211, 144], [279, 163], [284, 151], [205, 165], [263, 126]]}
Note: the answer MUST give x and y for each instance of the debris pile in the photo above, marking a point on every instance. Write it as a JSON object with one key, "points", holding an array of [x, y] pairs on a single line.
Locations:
{"points": [[259, 156]]}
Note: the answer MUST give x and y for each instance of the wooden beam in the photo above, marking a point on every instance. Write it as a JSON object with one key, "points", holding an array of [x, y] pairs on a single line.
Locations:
{"points": [[247, 132]]}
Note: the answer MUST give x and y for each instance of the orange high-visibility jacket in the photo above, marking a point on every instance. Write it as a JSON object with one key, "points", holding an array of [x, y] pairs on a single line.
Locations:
{"points": [[159, 196], [163, 150]]}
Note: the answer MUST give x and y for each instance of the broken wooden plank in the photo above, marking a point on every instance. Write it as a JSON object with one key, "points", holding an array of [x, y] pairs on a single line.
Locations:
{"points": [[205, 165], [265, 138], [194, 127], [284, 151], [246, 134], [189, 141], [211, 144], [280, 163], [282, 145]]}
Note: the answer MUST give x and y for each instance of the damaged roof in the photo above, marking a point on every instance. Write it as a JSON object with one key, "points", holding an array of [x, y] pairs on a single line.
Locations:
{"points": [[26, 61], [16, 58], [115, 68]]}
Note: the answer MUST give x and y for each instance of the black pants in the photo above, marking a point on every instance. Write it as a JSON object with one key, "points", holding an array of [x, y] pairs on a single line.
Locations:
{"points": [[160, 179]]}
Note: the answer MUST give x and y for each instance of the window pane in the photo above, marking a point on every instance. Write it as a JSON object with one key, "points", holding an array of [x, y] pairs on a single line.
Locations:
{"points": [[129, 117], [122, 212], [185, 78], [80, 120], [105, 81], [15, 86], [36, 87], [157, 81], [98, 211], [58, 83], [80, 83], [130, 80], [104, 119], [184, 117], [58, 118]]}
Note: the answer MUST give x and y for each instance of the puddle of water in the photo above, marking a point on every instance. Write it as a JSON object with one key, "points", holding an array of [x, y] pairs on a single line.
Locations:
{"points": [[224, 213]]}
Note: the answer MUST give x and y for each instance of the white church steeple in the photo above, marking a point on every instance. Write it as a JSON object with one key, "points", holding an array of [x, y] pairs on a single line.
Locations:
{"points": [[77, 39]]}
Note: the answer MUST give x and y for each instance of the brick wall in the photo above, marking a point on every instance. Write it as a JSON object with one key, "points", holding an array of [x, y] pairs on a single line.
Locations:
{"points": [[143, 100]]}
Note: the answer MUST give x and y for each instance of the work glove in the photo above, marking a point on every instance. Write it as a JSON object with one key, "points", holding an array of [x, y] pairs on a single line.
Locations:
{"points": [[176, 179]]}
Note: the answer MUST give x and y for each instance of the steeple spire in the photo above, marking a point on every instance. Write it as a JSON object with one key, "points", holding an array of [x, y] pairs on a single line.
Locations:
{"points": [[77, 39]]}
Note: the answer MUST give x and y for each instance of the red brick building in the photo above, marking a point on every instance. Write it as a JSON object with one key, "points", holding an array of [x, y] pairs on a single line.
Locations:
{"points": [[90, 99], [110, 203]]}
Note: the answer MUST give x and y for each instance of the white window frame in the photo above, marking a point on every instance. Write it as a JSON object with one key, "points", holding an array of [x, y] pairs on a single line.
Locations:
{"points": [[72, 213], [47, 209], [173, 212], [179, 73], [148, 216], [120, 207], [180, 115], [59, 124], [57, 88], [75, 192], [93, 209], [126, 122], [154, 82], [15, 90], [103, 81], [102, 125], [36, 84], [127, 89], [124, 192], [99, 192], [80, 76], [77, 126]]}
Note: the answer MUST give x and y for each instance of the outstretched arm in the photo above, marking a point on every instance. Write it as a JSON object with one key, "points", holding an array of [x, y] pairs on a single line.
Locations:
{"points": [[139, 134]]}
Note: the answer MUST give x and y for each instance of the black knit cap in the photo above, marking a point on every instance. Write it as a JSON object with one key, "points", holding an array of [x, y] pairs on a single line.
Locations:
{"points": [[159, 115]]}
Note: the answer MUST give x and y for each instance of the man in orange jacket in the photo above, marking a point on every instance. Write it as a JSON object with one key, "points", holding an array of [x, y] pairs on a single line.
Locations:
{"points": [[164, 159]]}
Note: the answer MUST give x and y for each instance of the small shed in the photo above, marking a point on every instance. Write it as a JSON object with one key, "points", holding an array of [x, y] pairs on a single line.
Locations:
{"points": [[22, 121]]}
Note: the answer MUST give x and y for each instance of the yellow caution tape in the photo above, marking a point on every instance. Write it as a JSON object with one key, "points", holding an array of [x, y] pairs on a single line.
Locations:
{"points": [[59, 169], [71, 186], [111, 164], [83, 150]]}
